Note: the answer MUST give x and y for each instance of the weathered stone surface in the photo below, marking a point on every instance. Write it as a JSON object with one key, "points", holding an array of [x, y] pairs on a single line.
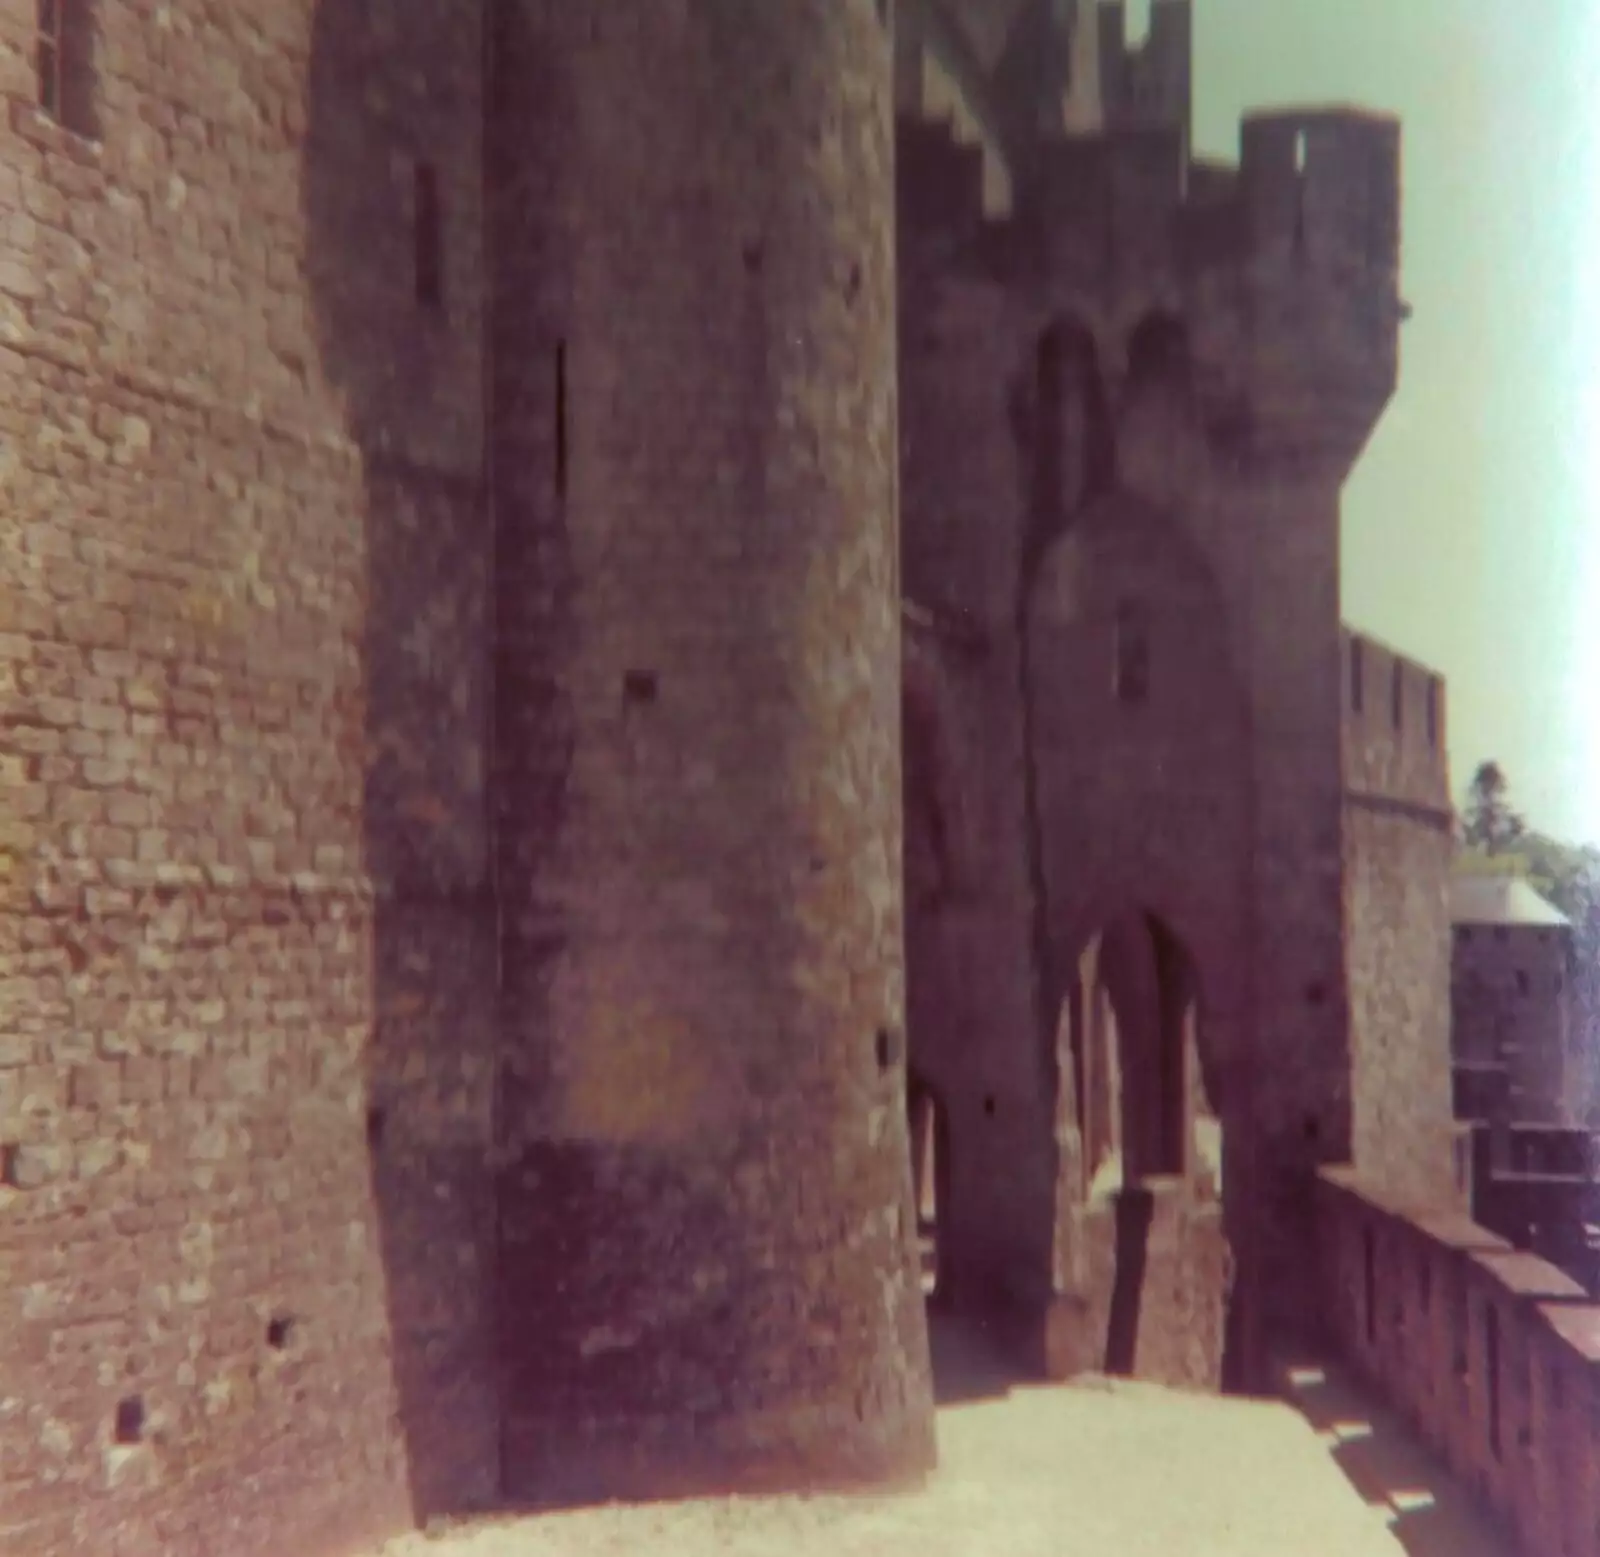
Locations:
{"points": [[452, 873], [1129, 403], [208, 604], [707, 1244], [258, 619]]}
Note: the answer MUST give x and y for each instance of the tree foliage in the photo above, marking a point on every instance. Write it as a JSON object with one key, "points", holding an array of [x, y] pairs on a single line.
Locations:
{"points": [[1489, 822], [1496, 838]]}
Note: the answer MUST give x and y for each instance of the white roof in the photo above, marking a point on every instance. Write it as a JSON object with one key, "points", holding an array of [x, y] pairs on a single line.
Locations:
{"points": [[1501, 900]]}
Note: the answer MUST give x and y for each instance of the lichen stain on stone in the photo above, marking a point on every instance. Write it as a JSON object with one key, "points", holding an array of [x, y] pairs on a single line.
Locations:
{"points": [[638, 1076]]}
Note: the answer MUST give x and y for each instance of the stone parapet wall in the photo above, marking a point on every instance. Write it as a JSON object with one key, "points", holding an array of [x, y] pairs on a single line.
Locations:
{"points": [[1491, 1355], [1395, 748]]}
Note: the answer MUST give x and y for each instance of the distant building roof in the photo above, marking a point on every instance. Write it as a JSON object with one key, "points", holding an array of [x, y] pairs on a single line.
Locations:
{"points": [[1501, 900]]}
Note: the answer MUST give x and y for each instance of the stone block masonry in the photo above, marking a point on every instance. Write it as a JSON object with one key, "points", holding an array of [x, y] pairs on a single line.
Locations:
{"points": [[709, 1268], [1131, 395], [197, 1311], [282, 606], [453, 1011], [247, 942], [1489, 1354], [1398, 845]]}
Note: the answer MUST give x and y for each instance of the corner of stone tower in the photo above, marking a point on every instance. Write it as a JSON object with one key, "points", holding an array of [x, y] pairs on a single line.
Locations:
{"points": [[1321, 226], [708, 1239]]}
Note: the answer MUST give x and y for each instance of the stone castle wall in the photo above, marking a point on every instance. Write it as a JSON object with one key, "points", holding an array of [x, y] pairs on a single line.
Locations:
{"points": [[1229, 341], [708, 1255], [1487, 1352], [452, 897], [1511, 1001], [266, 645], [972, 954], [242, 721], [1398, 845]]}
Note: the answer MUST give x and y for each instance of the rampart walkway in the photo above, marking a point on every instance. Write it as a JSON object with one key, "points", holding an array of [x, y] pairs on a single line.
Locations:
{"points": [[1078, 1471]]}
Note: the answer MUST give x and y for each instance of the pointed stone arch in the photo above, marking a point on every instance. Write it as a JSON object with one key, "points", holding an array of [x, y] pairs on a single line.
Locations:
{"points": [[1133, 1004], [1144, 1071]]}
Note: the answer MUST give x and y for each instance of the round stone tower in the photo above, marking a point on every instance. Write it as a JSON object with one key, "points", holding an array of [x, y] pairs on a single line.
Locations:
{"points": [[708, 1262]]}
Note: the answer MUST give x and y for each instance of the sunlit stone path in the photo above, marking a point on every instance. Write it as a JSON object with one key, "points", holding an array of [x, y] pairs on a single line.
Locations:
{"points": [[1100, 1467]]}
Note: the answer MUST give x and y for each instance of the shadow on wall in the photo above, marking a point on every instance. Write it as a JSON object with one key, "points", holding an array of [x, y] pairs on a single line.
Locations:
{"points": [[564, 1296], [1135, 1211], [391, 190]]}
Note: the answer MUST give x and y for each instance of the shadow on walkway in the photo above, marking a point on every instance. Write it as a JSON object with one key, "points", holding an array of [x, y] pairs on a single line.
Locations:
{"points": [[1430, 1514], [969, 1361]]}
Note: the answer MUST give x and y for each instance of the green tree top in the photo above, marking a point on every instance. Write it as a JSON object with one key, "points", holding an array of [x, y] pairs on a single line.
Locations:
{"points": [[1490, 823]]}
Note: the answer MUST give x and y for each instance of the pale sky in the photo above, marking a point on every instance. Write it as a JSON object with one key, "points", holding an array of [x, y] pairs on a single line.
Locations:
{"points": [[1472, 525]]}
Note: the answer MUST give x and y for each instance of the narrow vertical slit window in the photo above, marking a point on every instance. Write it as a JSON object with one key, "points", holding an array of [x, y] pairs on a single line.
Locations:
{"points": [[1433, 715], [1397, 697], [47, 57], [428, 237], [561, 419], [1358, 668], [64, 64], [1131, 668]]}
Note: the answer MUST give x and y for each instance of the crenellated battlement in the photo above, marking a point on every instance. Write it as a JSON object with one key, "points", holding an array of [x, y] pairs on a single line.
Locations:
{"points": [[1395, 746], [1293, 319], [1323, 185], [1148, 83], [1097, 184], [1317, 190], [1288, 259], [577, 894]]}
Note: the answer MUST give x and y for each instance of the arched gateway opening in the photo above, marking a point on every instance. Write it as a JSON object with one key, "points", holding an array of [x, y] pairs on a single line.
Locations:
{"points": [[1141, 1193]]}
